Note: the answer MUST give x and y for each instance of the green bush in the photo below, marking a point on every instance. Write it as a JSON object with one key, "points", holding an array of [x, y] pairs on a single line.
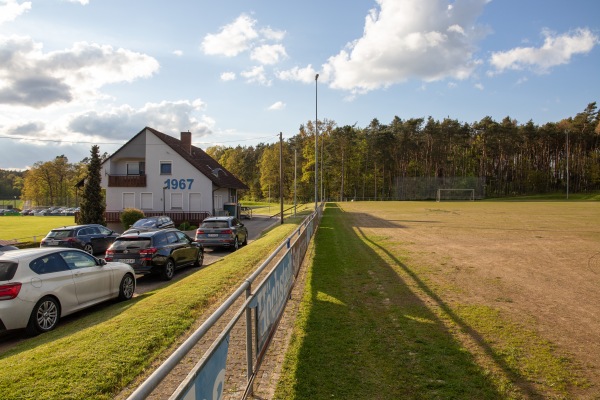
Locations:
{"points": [[130, 215]]}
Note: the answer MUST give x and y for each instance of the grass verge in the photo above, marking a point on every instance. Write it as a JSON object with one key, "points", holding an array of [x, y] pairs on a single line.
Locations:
{"points": [[96, 356], [372, 326]]}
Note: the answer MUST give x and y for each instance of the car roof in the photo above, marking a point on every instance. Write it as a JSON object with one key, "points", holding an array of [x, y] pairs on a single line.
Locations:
{"points": [[62, 228], [32, 252], [219, 218], [144, 233]]}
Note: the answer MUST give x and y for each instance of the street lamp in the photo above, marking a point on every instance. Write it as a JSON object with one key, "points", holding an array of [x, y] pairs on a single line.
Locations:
{"points": [[164, 201], [567, 131], [316, 143]]}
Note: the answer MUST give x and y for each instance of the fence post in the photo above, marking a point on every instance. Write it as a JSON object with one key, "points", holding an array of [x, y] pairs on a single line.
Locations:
{"points": [[249, 371]]}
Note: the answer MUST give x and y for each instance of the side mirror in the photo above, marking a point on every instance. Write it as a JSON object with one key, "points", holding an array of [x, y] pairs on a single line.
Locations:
{"points": [[102, 261]]}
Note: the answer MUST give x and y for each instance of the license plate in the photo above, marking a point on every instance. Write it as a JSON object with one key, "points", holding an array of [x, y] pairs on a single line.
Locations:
{"points": [[128, 260], [213, 235]]}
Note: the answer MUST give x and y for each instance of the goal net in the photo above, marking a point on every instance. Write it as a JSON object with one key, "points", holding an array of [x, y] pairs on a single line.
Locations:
{"points": [[455, 194]]}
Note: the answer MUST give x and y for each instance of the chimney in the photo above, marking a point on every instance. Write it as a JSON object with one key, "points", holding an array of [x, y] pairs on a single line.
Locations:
{"points": [[186, 141]]}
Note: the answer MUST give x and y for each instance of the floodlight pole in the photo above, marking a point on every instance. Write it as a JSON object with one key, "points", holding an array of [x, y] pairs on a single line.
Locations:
{"points": [[567, 132], [316, 143], [281, 175]]}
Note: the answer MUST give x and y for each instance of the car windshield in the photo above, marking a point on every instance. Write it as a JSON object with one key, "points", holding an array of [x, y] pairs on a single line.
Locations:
{"points": [[7, 270], [60, 234], [144, 223], [214, 224], [131, 243]]}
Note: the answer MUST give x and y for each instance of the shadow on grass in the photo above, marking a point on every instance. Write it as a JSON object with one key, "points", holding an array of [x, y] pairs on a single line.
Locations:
{"points": [[367, 334]]}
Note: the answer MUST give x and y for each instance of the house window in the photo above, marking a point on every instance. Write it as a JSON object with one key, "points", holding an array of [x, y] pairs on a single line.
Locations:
{"points": [[165, 167]]}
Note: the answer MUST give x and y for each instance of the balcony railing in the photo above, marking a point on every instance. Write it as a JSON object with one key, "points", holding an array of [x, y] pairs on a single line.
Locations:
{"points": [[127, 181]]}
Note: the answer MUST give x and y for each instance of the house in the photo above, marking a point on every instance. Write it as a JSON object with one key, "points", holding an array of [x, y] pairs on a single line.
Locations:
{"points": [[160, 174]]}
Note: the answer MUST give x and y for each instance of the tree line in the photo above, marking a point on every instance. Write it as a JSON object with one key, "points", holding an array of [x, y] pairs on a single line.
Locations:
{"points": [[367, 163]]}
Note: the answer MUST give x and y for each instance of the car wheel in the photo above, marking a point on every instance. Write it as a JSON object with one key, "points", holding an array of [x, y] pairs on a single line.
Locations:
{"points": [[236, 244], [169, 270], [44, 316], [88, 248], [127, 287], [199, 259]]}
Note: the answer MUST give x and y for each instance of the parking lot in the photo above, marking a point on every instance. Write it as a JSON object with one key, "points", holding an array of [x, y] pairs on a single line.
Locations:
{"points": [[256, 226]]}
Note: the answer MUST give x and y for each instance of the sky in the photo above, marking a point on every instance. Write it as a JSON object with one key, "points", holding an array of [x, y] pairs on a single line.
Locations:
{"points": [[74, 73]]}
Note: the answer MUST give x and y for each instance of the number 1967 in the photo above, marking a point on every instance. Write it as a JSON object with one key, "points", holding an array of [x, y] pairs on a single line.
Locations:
{"points": [[181, 184]]}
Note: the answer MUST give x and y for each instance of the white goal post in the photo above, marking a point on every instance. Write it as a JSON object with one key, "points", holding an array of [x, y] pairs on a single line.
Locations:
{"points": [[455, 194]]}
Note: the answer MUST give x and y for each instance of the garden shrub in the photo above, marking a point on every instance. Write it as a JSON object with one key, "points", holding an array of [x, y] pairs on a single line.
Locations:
{"points": [[129, 216]]}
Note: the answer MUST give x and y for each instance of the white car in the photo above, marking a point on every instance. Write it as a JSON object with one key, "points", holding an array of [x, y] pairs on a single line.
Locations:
{"points": [[39, 286]]}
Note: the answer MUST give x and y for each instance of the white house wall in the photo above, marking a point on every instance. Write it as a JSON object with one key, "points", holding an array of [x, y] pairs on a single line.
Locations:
{"points": [[185, 187]]}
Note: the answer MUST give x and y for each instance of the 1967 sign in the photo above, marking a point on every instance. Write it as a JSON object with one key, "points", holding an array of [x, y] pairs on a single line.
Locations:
{"points": [[179, 184]]}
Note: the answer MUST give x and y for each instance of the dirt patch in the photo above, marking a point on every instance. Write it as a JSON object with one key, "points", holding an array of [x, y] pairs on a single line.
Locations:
{"points": [[539, 263]]}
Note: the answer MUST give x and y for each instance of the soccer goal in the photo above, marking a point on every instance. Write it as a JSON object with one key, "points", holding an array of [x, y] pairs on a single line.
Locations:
{"points": [[455, 194]]}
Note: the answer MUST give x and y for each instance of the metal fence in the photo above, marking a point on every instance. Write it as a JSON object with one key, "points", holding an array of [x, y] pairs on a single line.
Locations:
{"points": [[256, 317]]}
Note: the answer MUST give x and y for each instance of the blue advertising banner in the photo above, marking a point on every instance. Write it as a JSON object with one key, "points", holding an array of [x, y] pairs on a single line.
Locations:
{"points": [[210, 379], [271, 298]]}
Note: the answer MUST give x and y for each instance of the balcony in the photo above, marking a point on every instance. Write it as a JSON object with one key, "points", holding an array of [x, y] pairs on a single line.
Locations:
{"points": [[127, 181]]}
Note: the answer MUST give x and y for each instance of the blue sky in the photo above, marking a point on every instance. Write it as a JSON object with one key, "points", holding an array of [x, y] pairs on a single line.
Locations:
{"points": [[74, 73]]}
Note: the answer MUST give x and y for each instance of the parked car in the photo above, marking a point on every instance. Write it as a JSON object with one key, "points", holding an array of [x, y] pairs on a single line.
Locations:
{"points": [[222, 232], [151, 223], [40, 286], [92, 238], [156, 252], [10, 211], [7, 247]]}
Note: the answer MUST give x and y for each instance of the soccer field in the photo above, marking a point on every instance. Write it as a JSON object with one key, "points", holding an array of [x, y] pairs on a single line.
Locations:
{"points": [[537, 264]]}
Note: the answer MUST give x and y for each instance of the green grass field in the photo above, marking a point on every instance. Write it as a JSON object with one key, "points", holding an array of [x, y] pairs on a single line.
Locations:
{"points": [[462, 300], [30, 228]]}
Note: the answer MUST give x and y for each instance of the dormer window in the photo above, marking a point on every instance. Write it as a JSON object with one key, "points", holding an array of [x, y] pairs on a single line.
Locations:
{"points": [[165, 167]]}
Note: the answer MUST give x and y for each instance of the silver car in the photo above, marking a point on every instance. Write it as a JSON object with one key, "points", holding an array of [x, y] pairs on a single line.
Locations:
{"points": [[39, 286], [222, 232]]}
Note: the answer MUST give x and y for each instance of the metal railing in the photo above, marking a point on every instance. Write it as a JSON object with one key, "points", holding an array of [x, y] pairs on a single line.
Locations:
{"points": [[262, 309]]}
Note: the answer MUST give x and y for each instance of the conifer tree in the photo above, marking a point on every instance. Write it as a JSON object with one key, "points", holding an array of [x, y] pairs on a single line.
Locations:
{"points": [[92, 204]]}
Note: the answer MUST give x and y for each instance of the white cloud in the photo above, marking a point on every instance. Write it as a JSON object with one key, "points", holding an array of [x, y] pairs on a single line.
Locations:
{"points": [[11, 9], [556, 50], [178, 53], [233, 39], [479, 86], [268, 54], [32, 78], [272, 34], [256, 75], [279, 105], [124, 121], [304, 75], [406, 39], [228, 76]]}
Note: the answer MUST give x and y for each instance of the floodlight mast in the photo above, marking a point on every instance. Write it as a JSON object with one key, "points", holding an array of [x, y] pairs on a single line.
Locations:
{"points": [[316, 143]]}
